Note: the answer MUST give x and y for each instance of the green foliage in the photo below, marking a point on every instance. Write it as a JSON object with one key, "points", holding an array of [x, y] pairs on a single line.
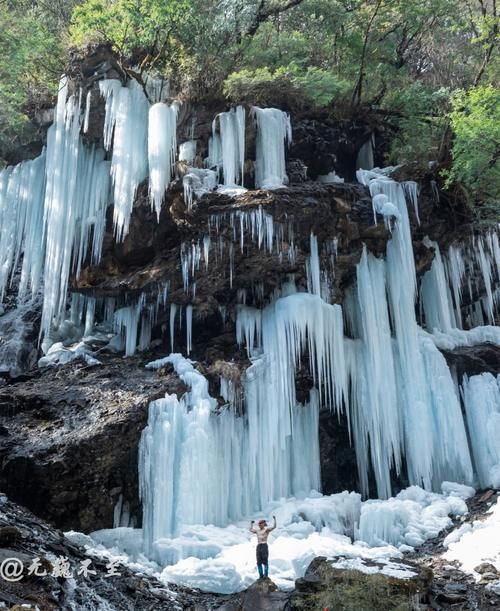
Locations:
{"points": [[420, 120], [291, 84], [475, 120], [150, 27], [30, 68]]}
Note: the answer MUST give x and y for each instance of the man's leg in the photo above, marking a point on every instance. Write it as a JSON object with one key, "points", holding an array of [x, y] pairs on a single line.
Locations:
{"points": [[260, 561], [265, 559]]}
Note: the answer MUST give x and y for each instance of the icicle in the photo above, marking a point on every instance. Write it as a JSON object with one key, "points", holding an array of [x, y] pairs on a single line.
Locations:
{"points": [[89, 316], [227, 458], [189, 328], [273, 130], [364, 158], [411, 189], [456, 273], [162, 146], [127, 113], [126, 320], [485, 267], [87, 112], [313, 269], [214, 159], [76, 198], [21, 224], [173, 311]]}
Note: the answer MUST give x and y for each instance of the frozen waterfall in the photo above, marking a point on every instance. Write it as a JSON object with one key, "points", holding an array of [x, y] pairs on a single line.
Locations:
{"points": [[273, 131], [204, 465]]}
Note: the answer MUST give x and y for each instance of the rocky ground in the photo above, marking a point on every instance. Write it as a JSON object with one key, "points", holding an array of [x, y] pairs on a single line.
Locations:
{"points": [[40, 569]]}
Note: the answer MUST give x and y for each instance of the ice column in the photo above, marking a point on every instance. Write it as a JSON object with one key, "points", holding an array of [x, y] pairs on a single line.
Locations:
{"points": [[482, 406], [127, 110], [232, 145], [273, 130], [162, 147]]}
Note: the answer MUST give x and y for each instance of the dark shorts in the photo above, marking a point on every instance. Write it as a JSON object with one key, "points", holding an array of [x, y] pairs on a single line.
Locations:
{"points": [[262, 553]]}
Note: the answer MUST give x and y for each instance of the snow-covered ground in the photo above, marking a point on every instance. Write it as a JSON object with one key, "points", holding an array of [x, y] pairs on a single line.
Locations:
{"points": [[477, 543], [339, 526]]}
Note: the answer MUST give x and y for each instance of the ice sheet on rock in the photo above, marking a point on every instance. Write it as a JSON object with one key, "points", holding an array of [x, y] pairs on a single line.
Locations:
{"points": [[459, 490], [196, 183], [458, 338], [59, 355], [187, 151], [390, 568], [273, 131], [330, 178], [477, 544]]}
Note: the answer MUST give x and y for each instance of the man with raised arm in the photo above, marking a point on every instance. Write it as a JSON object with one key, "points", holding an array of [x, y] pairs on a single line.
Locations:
{"points": [[262, 548]]}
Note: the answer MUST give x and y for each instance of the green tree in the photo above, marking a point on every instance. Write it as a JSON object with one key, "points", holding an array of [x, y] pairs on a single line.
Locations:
{"points": [[475, 120], [31, 61]]}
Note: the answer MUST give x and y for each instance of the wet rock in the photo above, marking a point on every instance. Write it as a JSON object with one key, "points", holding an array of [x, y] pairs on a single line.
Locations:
{"points": [[262, 595], [49, 590], [71, 448], [473, 360], [9, 534], [486, 568]]}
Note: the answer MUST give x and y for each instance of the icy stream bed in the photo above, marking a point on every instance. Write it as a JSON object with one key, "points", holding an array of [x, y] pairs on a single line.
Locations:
{"points": [[341, 527]]}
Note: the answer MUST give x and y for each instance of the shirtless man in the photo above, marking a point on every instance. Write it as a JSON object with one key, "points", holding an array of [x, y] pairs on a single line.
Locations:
{"points": [[262, 549]]}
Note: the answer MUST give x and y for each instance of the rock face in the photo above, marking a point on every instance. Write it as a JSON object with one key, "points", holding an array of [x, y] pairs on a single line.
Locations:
{"points": [[473, 360], [56, 581], [69, 440]]}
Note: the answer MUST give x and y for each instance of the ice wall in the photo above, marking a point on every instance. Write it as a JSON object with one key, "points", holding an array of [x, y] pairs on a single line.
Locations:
{"points": [[432, 431], [201, 465], [482, 406]]}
